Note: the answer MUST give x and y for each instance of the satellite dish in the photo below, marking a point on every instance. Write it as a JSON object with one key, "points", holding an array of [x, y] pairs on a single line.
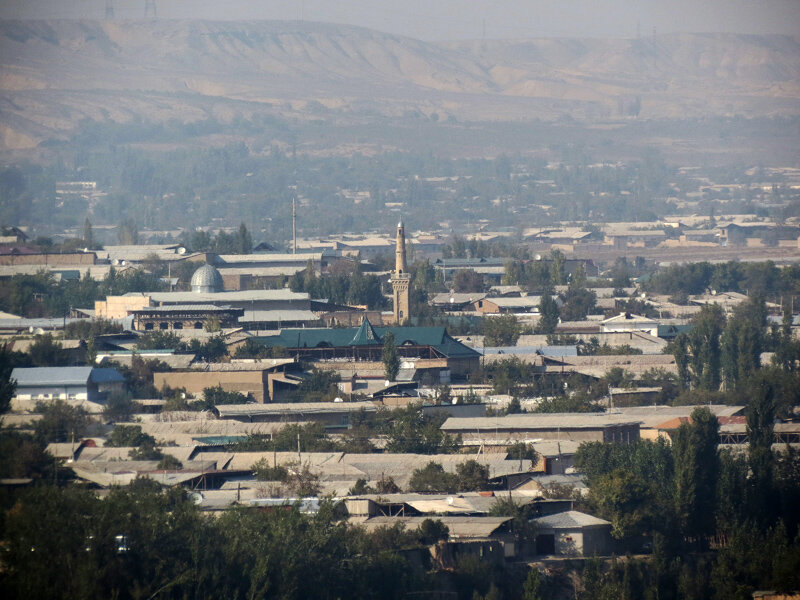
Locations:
{"points": [[387, 383], [452, 299], [643, 296], [538, 257], [115, 261], [337, 399], [713, 292], [181, 250], [196, 498]]}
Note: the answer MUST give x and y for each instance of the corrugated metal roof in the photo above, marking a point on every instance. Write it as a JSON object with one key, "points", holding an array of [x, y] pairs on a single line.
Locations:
{"points": [[459, 527], [571, 519], [227, 410], [436, 337], [543, 350], [215, 297], [533, 421], [267, 257], [59, 376], [262, 364], [183, 307], [276, 316]]}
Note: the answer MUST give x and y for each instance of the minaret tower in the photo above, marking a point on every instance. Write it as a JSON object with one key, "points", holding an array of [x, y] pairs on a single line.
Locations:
{"points": [[401, 281]]}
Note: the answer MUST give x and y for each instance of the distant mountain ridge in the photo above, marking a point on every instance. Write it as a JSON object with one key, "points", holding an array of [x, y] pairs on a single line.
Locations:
{"points": [[55, 73]]}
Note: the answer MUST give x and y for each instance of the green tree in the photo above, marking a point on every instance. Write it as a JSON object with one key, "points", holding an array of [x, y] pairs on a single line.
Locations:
{"points": [[301, 480], [244, 243], [433, 478], [264, 470], [578, 302], [128, 232], [125, 436], [119, 406], [169, 463], [46, 351], [8, 386], [533, 588], [88, 235], [501, 331], [760, 436], [431, 531], [61, 422], [523, 452], [549, 314], [742, 342], [212, 396], [467, 280], [696, 473], [625, 499], [472, 476], [679, 348], [391, 358], [704, 347], [411, 431], [158, 340], [558, 260], [320, 385]]}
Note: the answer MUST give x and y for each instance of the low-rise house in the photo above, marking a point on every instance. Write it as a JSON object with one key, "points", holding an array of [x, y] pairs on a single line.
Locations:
{"points": [[456, 301], [507, 305], [265, 380], [572, 533], [332, 414], [586, 427], [597, 366], [627, 322], [78, 384], [461, 529], [651, 419]]}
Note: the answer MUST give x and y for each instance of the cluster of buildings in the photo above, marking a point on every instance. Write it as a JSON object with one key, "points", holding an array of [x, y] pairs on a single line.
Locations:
{"points": [[287, 325]]}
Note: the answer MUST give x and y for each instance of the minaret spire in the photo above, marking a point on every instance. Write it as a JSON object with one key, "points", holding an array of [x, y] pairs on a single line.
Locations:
{"points": [[401, 281], [400, 251]]}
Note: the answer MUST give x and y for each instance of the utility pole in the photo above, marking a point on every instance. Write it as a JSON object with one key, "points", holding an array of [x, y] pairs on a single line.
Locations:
{"points": [[294, 224]]}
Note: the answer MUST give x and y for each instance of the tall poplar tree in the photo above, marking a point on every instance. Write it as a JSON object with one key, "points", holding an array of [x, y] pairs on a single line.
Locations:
{"points": [[696, 472], [704, 347], [391, 359], [760, 435]]}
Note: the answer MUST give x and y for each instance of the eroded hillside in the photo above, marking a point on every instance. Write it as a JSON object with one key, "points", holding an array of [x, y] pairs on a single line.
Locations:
{"points": [[56, 73]]}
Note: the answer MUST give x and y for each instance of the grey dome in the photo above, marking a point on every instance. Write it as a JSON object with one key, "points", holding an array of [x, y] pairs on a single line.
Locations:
{"points": [[206, 279]]}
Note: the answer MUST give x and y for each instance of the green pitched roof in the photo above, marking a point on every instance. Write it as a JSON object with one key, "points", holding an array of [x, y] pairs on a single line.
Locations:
{"points": [[365, 335], [437, 337]]}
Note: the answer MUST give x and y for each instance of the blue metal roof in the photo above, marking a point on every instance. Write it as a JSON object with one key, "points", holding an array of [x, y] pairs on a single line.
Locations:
{"points": [[44, 376]]}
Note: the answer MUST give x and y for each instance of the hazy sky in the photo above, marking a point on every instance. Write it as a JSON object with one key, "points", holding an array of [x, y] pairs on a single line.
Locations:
{"points": [[460, 19]]}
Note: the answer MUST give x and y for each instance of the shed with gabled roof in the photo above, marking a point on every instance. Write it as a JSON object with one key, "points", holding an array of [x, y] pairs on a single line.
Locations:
{"points": [[572, 533]]}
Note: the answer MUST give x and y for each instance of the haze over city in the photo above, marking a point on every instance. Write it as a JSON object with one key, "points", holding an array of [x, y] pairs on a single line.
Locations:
{"points": [[365, 299], [461, 19]]}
